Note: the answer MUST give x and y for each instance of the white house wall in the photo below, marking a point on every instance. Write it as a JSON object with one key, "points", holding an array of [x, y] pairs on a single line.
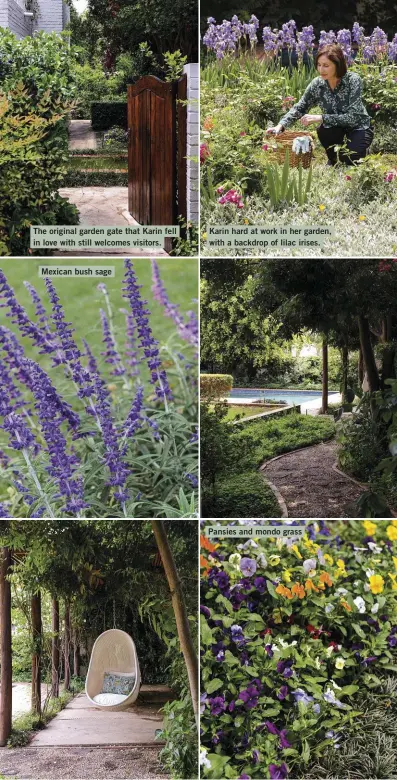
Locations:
{"points": [[50, 17], [12, 16]]}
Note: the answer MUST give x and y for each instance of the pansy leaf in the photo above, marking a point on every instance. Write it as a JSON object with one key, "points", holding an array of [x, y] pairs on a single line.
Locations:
{"points": [[214, 685]]}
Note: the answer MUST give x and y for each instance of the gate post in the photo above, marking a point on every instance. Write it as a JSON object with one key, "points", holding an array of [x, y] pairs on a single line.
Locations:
{"points": [[192, 150]]}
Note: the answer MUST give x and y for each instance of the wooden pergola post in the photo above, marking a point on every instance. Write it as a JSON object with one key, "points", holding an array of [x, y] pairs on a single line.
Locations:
{"points": [[67, 646], [55, 648], [37, 633]]}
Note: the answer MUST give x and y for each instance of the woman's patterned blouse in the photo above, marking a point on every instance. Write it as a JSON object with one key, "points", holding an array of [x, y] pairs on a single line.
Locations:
{"points": [[342, 106]]}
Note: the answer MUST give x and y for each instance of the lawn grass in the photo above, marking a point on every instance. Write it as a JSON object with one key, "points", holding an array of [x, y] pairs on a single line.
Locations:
{"points": [[272, 437], [246, 411], [109, 162]]}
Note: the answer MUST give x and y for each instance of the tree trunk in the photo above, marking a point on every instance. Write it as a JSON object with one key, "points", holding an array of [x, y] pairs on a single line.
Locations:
{"points": [[345, 372], [67, 646], [55, 648], [324, 403], [36, 656], [6, 648], [368, 354], [360, 368], [388, 351], [76, 654], [179, 607]]}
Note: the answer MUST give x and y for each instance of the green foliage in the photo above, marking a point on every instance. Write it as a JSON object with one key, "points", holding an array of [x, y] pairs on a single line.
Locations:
{"points": [[268, 438], [179, 757], [37, 79], [380, 90], [215, 385], [244, 494], [105, 115], [93, 84], [106, 178], [174, 63], [287, 184], [385, 138], [218, 451], [186, 245], [367, 182], [312, 626]]}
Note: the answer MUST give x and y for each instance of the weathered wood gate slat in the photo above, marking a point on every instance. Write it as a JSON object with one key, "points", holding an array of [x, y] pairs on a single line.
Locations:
{"points": [[156, 170]]}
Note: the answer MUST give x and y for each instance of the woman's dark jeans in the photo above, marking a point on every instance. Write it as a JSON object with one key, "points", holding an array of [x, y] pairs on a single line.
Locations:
{"points": [[357, 143]]}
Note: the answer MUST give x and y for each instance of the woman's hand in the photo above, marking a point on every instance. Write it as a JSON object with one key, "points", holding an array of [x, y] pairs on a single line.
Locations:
{"points": [[309, 119], [275, 130]]}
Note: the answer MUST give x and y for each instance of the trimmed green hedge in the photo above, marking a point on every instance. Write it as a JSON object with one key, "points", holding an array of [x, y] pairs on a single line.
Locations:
{"points": [[242, 495], [76, 178], [215, 385], [106, 115]]}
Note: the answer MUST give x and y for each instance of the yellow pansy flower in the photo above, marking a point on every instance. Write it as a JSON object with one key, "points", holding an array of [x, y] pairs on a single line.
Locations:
{"points": [[393, 522], [277, 617], [329, 559], [294, 548], [391, 531], [376, 583], [370, 528], [393, 580], [395, 561], [341, 564], [274, 560], [287, 576]]}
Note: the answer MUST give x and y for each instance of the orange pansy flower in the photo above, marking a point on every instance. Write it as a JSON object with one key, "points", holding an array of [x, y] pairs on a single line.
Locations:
{"points": [[325, 578], [298, 590], [309, 585], [283, 591], [346, 605], [204, 565]]}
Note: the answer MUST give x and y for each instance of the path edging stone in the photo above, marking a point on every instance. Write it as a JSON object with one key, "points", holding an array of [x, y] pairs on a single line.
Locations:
{"points": [[279, 498]]}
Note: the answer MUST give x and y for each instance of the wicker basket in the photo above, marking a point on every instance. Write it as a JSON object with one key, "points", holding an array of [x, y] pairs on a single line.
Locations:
{"points": [[284, 141]]}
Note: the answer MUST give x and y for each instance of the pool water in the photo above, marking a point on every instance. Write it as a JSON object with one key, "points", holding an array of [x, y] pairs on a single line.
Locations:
{"points": [[290, 396]]}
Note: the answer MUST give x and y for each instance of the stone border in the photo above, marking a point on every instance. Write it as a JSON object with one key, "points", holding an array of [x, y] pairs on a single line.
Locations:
{"points": [[363, 485], [279, 498], [272, 413]]}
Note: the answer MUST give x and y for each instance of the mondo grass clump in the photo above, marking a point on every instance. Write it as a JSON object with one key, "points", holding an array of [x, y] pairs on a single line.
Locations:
{"points": [[97, 435]]}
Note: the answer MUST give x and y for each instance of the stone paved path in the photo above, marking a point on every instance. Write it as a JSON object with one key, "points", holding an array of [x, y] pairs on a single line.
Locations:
{"points": [[81, 135], [310, 486], [104, 206]]}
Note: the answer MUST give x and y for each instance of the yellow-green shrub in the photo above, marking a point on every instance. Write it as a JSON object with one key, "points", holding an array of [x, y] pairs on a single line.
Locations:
{"points": [[215, 385]]}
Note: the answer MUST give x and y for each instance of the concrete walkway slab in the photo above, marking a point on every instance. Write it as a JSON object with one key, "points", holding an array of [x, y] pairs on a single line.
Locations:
{"points": [[85, 725], [82, 136], [106, 206]]}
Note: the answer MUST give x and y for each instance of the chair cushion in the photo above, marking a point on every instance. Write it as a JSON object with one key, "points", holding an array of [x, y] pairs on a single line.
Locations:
{"points": [[118, 682], [109, 699]]}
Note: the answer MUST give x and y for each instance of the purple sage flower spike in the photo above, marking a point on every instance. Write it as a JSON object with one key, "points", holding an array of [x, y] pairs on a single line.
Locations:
{"points": [[19, 317], [149, 345], [4, 510], [112, 455], [111, 354], [188, 331], [132, 358], [50, 413], [40, 311], [134, 420]]}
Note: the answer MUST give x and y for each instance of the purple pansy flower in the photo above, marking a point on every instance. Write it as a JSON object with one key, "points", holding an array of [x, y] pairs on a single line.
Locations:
{"points": [[247, 567]]}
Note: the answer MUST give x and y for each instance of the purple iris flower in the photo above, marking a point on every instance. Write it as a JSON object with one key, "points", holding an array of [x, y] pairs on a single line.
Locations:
{"points": [[278, 772], [247, 567]]}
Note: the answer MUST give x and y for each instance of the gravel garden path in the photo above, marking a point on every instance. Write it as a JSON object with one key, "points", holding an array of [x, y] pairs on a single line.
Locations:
{"points": [[309, 484]]}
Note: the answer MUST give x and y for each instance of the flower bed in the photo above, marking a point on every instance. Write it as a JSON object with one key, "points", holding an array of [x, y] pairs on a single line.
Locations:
{"points": [[294, 636], [97, 428], [243, 92]]}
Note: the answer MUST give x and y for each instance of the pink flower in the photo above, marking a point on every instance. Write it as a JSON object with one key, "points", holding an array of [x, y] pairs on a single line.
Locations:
{"points": [[349, 178], [220, 190], [376, 106], [233, 197], [243, 132], [390, 175], [265, 147]]}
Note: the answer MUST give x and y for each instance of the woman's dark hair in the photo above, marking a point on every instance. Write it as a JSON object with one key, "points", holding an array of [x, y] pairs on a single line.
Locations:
{"points": [[334, 53]]}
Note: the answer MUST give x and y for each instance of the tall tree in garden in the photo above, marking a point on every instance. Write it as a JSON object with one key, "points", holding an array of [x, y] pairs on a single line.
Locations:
{"points": [[164, 25], [55, 654], [37, 640], [179, 607], [5, 646]]}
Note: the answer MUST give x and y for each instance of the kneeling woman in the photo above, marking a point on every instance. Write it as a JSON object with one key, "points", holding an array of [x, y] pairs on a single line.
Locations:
{"points": [[344, 120]]}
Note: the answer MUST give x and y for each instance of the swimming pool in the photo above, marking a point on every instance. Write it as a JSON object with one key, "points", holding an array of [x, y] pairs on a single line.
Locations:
{"points": [[290, 396]]}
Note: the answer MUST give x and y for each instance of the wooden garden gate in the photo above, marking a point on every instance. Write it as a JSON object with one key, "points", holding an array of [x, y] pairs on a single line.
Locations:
{"points": [[157, 150]]}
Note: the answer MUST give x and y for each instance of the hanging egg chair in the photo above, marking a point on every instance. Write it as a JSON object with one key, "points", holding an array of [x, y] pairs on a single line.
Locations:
{"points": [[113, 678]]}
